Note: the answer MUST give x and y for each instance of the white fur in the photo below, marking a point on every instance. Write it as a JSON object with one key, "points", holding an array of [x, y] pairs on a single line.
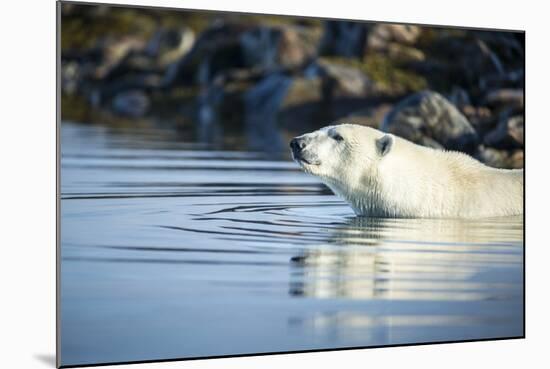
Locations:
{"points": [[409, 180]]}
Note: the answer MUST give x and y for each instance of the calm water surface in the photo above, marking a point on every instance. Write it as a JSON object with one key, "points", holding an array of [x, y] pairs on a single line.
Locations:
{"points": [[174, 250]]}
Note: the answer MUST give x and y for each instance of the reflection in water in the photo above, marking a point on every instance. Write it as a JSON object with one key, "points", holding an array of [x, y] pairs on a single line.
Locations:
{"points": [[171, 249], [421, 259], [262, 104]]}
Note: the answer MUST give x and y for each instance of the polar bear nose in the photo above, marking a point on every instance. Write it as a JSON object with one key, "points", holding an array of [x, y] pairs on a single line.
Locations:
{"points": [[297, 144]]}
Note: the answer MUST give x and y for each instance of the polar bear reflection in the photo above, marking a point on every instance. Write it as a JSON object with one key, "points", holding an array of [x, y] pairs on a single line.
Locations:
{"points": [[414, 259]]}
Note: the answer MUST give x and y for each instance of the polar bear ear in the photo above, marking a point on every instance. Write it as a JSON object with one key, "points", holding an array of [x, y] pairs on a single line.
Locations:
{"points": [[384, 144]]}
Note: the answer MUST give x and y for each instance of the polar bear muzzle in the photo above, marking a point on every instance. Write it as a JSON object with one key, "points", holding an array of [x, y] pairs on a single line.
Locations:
{"points": [[301, 153]]}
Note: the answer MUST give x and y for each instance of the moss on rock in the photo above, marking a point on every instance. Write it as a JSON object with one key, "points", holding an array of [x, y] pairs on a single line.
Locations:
{"points": [[386, 73]]}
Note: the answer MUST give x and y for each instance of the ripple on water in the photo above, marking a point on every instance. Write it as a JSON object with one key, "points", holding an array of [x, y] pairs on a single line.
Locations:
{"points": [[179, 229]]}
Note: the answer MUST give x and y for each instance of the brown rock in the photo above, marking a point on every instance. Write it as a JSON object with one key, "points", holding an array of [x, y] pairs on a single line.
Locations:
{"points": [[303, 91], [347, 80], [395, 41], [115, 52], [382, 34], [510, 98], [501, 158], [517, 159]]}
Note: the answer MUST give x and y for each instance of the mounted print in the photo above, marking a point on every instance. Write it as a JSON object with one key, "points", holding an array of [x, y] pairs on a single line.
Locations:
{"points": [[242, 184]]}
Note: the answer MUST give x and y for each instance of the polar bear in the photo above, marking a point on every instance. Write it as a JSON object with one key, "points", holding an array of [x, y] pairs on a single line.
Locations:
{"points": [[382, 175]]}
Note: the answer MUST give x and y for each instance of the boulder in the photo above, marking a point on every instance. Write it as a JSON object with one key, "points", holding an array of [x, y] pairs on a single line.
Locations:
{"points": [[394, 40], [216, 51], [165, 47], [429, 119], [383, 33], [115, 52], [344, 80]]}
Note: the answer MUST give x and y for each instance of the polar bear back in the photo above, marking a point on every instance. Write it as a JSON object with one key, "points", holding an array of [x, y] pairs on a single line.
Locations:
{"points": [[423, 182]]}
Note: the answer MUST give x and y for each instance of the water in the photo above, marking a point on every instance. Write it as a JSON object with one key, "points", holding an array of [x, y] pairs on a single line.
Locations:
{"points": [[174, 250]]}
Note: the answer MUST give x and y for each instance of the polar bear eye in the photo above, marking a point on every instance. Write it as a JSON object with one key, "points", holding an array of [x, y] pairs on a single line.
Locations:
{"points": [[337, 137]]}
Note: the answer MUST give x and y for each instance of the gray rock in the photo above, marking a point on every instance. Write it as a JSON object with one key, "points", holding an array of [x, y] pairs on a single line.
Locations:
{"points": [[429, 119]]}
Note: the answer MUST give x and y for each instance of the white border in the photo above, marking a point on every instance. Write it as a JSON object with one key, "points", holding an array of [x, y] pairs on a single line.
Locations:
{"points": [[27, 189]]}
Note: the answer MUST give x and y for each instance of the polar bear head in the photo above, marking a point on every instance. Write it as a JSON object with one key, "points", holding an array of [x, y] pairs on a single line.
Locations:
{"points": [[341, 154], [348, 159]]}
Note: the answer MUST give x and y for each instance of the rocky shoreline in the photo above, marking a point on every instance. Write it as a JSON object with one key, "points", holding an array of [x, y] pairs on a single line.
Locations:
{"points": [[209, 73]]}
